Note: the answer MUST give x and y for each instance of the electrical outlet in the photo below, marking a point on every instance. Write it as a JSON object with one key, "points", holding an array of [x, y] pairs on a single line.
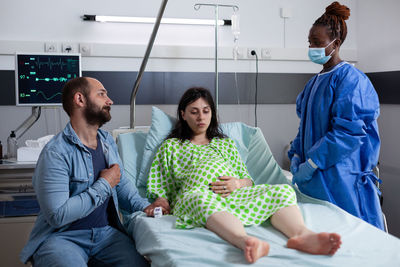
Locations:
{"points": [[50, 47], [85, 49], [68, 48], [249, 55], [266, 53]]}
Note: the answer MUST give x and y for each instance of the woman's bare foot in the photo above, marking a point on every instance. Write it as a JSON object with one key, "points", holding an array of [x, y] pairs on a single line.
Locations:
{"points": [[321, 243], [255, 249]]}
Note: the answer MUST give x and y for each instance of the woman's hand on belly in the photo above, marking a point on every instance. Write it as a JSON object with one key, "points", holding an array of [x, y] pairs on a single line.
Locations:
{"points": [[226, 185]]}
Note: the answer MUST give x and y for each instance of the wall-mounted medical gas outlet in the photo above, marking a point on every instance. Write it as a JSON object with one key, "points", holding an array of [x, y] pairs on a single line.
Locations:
{"points": [[286, 12], [238, 53], [85, 49], [265, 53], [50, 47], [68, 48]]}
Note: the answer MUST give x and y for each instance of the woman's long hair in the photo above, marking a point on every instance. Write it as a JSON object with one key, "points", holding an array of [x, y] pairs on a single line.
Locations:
{"points": [[182, 131]]}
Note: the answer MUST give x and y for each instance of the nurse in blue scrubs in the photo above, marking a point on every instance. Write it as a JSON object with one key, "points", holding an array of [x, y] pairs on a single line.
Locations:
{"points": [[337, 144]]}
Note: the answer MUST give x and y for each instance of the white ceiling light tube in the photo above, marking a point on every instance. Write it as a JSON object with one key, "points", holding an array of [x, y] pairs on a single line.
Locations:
{"points": [[209, 22]]}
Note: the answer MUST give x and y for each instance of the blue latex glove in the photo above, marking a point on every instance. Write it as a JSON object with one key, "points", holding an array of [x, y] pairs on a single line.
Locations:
{"points": [[294, 164], [304, 173]]}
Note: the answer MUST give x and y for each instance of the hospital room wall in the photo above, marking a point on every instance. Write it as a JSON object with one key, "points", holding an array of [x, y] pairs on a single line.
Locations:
{"points": [[378, 49], [261, 26]]}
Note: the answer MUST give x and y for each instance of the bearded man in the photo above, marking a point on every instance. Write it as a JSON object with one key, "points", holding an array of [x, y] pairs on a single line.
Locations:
{"points": [[80, 186]]}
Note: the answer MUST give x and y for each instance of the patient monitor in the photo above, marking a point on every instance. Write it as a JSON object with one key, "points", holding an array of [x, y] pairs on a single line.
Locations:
{"points": [[39, 78]]}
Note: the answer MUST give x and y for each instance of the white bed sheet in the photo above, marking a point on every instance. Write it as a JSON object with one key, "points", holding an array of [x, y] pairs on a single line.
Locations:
{"points": [[363, 244]]}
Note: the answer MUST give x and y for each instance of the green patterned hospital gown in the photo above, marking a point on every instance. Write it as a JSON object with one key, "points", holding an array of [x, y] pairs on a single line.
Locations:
{"points": [[181, 172]]}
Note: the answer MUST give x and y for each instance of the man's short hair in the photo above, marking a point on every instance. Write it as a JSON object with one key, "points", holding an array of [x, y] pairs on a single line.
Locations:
{"points": [[81, 85]]}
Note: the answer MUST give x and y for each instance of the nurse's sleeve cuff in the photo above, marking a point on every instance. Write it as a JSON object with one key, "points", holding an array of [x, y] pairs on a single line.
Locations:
{"points": [[312, 163]]}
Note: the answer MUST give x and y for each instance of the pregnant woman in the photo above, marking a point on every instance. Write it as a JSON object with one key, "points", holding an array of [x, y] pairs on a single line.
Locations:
{"points": [[199, 173]]}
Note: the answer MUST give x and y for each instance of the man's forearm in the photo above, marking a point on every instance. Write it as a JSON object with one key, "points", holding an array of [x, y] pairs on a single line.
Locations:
{"points": [[61, 209]]}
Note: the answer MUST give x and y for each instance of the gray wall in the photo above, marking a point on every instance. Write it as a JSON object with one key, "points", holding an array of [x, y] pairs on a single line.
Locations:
{"points": [[378, 42]]}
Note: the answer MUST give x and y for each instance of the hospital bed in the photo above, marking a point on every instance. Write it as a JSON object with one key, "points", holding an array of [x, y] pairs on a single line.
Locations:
{"points": [[159, 240]]}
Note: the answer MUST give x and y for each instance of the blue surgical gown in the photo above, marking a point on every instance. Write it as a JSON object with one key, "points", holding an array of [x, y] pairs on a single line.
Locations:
{"points": [[338, 131]]}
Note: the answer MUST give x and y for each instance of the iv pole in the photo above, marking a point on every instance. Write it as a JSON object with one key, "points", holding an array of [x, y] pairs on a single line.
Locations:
{"points": [[216, 9], [144, 63]]}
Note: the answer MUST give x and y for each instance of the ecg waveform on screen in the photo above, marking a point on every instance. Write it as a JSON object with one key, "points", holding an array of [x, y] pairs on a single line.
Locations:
{"points": [[50, 64], [46, 79], [55, 79], [48, 98], [22, 95]]}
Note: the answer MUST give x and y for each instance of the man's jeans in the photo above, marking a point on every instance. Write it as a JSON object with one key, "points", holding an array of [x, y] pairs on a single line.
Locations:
{"points": [[106, 246]]}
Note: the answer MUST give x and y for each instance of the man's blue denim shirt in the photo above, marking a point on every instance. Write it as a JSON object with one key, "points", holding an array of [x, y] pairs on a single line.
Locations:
{"points": [[66, 190]]}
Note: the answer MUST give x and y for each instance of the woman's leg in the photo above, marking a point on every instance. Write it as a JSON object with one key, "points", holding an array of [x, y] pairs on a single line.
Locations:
{"points": [[289, 221], [231, 229]]}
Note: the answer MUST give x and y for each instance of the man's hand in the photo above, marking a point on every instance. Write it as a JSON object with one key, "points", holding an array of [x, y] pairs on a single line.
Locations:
{"points": [[159, 202], [112, 175]]}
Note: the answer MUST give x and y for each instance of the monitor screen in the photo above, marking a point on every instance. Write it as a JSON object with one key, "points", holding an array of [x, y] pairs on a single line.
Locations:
{"points": [[39, 78]]}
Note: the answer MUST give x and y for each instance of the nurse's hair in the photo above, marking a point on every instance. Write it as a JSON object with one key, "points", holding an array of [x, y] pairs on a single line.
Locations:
{"points": [[334, 19], [182, 130]]}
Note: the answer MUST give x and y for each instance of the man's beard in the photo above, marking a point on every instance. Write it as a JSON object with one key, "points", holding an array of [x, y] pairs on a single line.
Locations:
{"points": [[96, 116]]}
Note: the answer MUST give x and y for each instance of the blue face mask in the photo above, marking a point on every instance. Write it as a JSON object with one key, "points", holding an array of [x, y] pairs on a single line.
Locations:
{"points": [[317, 55]]}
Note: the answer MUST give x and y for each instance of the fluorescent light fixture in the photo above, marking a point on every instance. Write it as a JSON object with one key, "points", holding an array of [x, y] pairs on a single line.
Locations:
{"points": [[210, 22]]}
